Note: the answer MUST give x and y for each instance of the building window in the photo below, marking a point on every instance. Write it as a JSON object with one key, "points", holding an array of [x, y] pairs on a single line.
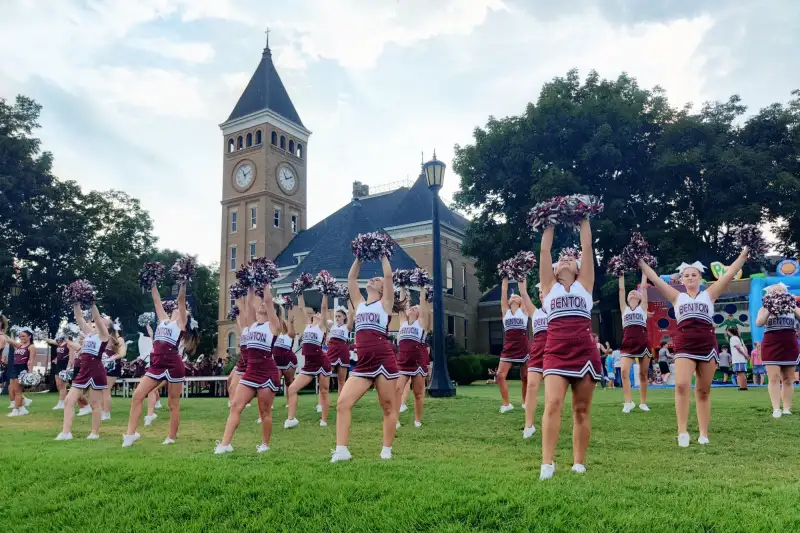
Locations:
{"points": [[464, 282], [233, 257], [274, 139], [291, 147], [449, 277], [233, 300], [276, 218], [294, 223], [252, 251], [495, 337], [258, 137], [231, 145], [253, 217], [231, 340], [239, 143], [466, 329], [300, 150], [451, 325], [234, 221], [283, 142], [249, 140]]}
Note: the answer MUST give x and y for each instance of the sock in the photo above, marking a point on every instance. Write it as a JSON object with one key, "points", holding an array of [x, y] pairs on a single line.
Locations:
{"points": [[341, 449], [387, 449]]}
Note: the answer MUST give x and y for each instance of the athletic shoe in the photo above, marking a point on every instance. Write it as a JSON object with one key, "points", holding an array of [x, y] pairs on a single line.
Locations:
{"points": [[397, 426], [386, 453], [579, 468], [23, 411], [403, 408], [128, 440], [105, 416], [319, 408], [786, 411], [528, 432], [26, 402], [776, 413], [323, 424], [220, 449], [547, 471], [261, 448], [643, 407], [148, 420], [341, 455], [168, 441], [59, 406], [683, 440], [628, 407], [291, 423], [64, 436], [417, 424], [93, 436], [259, 420], [702, 440], [83, 411], [506, 408], [14, 412], [523, 406], [158, 404], [11, 404]]}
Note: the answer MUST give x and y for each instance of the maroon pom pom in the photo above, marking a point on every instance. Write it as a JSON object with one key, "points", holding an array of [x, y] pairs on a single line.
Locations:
{"points": [[169, 306], [616, 267], [401, 277], [263, 271], [779, 303], [238, 290], [751, 237], [420, 277], [325, 283], [637, 249], [184, 269], [429, 293], [566, 210], [303, 283], [233, 313], [569, 253], [372, 246], [151, 273], [518, 267], [81, 292]]}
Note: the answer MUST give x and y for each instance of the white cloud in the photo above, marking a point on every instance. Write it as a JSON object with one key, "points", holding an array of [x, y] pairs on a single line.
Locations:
{"points": [[189, 52]]}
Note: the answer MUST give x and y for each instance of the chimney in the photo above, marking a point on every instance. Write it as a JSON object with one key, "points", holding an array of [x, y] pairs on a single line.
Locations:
{"points": [[360, 190]]}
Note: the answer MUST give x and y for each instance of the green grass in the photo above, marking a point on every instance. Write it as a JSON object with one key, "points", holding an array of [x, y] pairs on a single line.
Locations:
{"points": [[466, 469]]}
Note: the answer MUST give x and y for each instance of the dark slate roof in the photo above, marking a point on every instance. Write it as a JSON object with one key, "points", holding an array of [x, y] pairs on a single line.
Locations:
{"points": [[332, 250], [494, 294], [396, 208], [266, 91]]}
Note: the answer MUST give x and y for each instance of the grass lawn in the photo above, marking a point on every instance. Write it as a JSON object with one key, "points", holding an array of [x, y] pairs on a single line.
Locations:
{"points": [[466, 469]]}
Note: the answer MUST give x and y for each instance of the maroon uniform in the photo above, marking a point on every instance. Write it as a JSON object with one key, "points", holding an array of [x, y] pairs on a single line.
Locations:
{"points": [[536, 361], [515, 337], [282, 352], [375, 353], [241, 364], [92, 372], [62, 357], [695, 337], [261, 371], [412, 352], [167, 363], [634, 333], [338, 352], [779, 346], [316, 362]]}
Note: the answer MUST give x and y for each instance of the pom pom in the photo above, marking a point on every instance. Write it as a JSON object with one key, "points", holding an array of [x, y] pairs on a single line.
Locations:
{"points": [[303, 283], [238, 290], [325, 283], [429, 293], [109, 364], [616, 267], [400, 304], [65, 375], [569, 253], [372, 246], [779, 303], [147, 318], [401, 277], [169, 306], [14, 330], [751, 237], [184, 269], [518, 267], [285, 301], [244, 276], [80, 292], [29, 379], [40, 334], [420, 277], [263, 272], [151, 273], [637, 249], [566, 210]]}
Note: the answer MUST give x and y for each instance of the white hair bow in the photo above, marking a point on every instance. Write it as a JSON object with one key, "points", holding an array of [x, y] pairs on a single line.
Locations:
{"points": [[117, 325], [27, 330], [779, 285], [697, 264], [193, 324], [538, 285]]}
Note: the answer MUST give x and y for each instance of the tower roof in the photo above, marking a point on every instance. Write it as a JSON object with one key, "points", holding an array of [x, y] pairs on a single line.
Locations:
{"points": [[266, 91]]}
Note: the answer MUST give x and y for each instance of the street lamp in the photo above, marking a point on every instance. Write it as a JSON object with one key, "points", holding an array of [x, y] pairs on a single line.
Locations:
{"points": [[440, 381]]}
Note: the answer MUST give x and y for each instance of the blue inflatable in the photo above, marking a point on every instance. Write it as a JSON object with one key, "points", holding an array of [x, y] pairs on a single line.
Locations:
{"points": [[757, 286]]}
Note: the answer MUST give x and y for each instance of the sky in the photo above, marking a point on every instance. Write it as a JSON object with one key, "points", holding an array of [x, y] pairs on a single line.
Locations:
{"points": [[133, 91]]}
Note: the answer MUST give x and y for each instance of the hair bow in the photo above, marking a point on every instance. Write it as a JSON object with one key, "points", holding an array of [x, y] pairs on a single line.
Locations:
{"points": [[697, 264], [777, 286], [27, 330], [193, 324], [538, 285], [116, 325]]}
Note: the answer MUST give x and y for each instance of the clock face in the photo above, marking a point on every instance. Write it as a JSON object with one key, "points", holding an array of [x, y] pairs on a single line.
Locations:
{"points": [[287, 180], [244, 176]]}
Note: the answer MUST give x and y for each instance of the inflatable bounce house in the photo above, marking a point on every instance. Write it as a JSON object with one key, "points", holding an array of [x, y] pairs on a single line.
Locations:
{"points": [[788, 274]]}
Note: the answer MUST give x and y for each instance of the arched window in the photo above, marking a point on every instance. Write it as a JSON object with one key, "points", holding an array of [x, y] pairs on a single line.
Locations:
{"points": [[283, 142], [291, 147], [464, 281], [300, 150], [258, 137], [274, 139], [449, 277], [231, 145], [249, 140], [239, 143], [231, 340]]}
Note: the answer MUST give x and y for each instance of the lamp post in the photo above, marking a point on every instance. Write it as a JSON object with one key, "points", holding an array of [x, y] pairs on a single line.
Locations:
{"points": [[440, 381], [16, 289]]}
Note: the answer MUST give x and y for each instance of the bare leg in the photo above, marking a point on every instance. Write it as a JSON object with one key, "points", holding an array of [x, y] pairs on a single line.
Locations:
{"points": [[787, 373], [265, 399], [555, 388], [404, 396], [69, 409], [523, 377], [774, 386], [174, 391], [96, 401], [402, 382], [152, 398], [232, 384], [145, 386], [702, 389], [502, 373], [82, 401], [62, 389], [244, 395], [299, 382], [627, 394], [386, 397], [341, 375], [582, 392], [324, 395], [684, 369], [418, 385], [644, 366], [353, 390], [107, 395], [16, 395], [534, 379]]}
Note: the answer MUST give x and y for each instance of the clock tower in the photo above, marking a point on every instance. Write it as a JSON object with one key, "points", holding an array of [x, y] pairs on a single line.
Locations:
{"points": [[264, 186]]}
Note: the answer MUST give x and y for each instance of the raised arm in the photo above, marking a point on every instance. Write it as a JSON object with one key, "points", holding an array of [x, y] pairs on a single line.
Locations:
{"points": [[717, 289], [526, 299], [183, 316], [504, 296], [301, 309], [622, 301], [79, 320], [546, 276], [122, 349], [149, 329], [388, 286], [402, 313], [158, 306], [274, 321], [352, 283], [643, 290], [670, 293], [323, 311], [100, 324], [586, 273], [424, 310], [289, 317], [351, 315]]}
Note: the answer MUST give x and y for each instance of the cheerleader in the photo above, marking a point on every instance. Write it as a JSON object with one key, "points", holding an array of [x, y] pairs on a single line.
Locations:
{"points": [[695, 341], [24, 355], [316, 362], [166, 364], [244, 318], [516, 311], [634, 342], [779, 353], [282, 351], [339, 344], [60, 364], [412, 353], [261, 378], [112, 361], [154, 398], [92, 374], [376, 361], [571, 358], [535, 364]]}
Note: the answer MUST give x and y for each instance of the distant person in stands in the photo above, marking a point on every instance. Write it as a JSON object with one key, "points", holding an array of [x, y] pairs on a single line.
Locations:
{"points": [[739, 354], [608, 370], [664, 358], [724, 363], [616, 355], [759, 370]]}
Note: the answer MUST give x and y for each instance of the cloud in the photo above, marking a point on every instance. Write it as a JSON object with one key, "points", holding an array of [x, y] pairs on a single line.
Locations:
{"points": [[189, 52]]}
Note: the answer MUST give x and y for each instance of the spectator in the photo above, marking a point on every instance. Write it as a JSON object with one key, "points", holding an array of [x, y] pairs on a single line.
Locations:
{"points": [[725, 363], [616, 355], [759, 370], [492, 377], [604, 351], [739, 353], [663, 362], [609, 372]]}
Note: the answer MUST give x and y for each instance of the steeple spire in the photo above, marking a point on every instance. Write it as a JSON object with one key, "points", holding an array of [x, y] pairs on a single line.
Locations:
{"points": [[267, 50]]}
